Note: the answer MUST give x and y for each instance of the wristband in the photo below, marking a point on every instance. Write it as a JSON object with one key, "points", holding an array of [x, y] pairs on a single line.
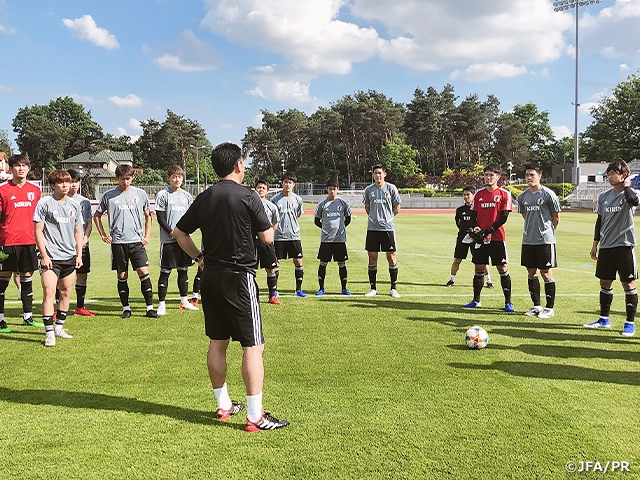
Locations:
{"points": [[199, 257]]}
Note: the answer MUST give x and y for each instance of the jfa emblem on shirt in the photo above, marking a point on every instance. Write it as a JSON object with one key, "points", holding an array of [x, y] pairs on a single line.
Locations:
{"points": [[496, 198], [386, 194], [71, 213], [31, 196], [135, 200], [540, 201], [339, 208]]}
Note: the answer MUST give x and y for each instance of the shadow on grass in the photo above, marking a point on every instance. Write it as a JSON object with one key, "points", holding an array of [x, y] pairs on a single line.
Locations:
{"points": [[19, 336], [556, 372], [98, 401]]}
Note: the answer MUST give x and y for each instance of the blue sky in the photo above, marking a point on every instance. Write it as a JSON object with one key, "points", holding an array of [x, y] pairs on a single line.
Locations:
{"points": [[221, 61]]}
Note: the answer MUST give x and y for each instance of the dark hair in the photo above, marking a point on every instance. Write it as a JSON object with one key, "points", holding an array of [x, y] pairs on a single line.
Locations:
{"points": [[619, 166], [124, 170], [224, 158], [378, 166], [13, 159], [289, 176], [493, 168], [75, 175], [261, 181], [175, 170], [469, 189], [333, 182], [58, 176], [533, 166]]}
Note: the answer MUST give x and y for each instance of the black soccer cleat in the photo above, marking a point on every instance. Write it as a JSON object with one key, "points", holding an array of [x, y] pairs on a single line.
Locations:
{"points": [[152, 314], [450, 283], [267, 422], [126, 314], [236, 407]]}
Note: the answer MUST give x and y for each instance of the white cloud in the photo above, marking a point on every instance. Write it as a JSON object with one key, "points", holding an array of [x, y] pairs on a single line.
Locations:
{"points": [[4, 29], [6, 89], [561, 131], [484, 72], [615, 27], [624, 68], [274, 89], [86, 28], [120, 131], [610, 52], [190, 54], [130, 100], [585, 108], [81, 98], [257, 120], [226, 126], [134, 124]]}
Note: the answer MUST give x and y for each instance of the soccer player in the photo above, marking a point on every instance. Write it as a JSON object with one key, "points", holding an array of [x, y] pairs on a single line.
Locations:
{"points": [[492, 205], [196, 288], [333, 215], [540, 209], [382, 203], [83, 271], [18, 199], [171, 204], [616, 234], [230, 216], [287, 236], [465, 219], [267, 253], [127, 208], [59, 235]]}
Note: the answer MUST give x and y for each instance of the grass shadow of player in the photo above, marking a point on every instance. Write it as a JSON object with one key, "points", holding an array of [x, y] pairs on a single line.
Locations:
{"points": [[99, 401], [555, 372], [490, 321], [586, 336]]}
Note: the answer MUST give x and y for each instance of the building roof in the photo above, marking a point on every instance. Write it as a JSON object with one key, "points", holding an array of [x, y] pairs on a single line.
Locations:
{"points": [[101, 157]]}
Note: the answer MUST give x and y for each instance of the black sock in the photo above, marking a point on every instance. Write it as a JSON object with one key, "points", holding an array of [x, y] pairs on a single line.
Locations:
{"points": [[550, 292], [123, 291], [299, 276], [606, 298], [26, 293], [373, 273], [196, 283], [183, 282], [534, 290], [48, 323], [61, 316], [272, 283], [81, 293], [478, 282], [146, 289], [631, 301], [163, 284], [393, 275], [4, 283], [342, 271], [505, 283], [322, 273]]}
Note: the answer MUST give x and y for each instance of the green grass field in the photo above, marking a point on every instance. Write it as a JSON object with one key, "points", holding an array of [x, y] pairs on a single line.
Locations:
{"points": [[373, 387]]}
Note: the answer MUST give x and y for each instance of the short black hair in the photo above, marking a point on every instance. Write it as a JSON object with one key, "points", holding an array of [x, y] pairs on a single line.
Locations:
{"points": [[378, 166], [493, 168], [533, 166], [224, 158], [619, 166], [124, 170], [333, 182], [289, 176], [469, 189], [75, 175], [261, 181], [13, 159]]}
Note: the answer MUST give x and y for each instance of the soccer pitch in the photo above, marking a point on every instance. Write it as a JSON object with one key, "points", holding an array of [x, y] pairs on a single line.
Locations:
{"points": [[373, 387]]}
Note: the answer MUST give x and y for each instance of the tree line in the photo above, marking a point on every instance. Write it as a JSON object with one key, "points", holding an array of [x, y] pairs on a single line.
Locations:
{"points": [[434, 135]]}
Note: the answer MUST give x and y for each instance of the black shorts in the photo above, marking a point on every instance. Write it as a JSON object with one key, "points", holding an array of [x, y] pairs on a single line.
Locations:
{"points": [[173, 256], [335, 251], [86, 260], [266, 255], [122, 253], [497, 251], [22, 259], [63, 268], [231, 307], [542, 257], [380, 241], [618, 259], [288, 249], [462, 249]]}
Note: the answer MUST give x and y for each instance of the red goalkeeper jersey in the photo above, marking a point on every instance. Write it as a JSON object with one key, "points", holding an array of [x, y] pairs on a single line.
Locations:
{"points": [[488, 206], [17, 205]]}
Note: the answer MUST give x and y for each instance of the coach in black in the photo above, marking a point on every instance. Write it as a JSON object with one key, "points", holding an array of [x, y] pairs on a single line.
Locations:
{"points": [[230, 216]]}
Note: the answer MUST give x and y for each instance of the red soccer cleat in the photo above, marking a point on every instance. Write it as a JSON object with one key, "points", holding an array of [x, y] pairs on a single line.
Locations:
{"points": [[194, 302], [274, 301], [84, 312]]}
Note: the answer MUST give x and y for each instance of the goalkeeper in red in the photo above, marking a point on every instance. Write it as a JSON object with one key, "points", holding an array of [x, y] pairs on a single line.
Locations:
{"points": [[492, 205]]}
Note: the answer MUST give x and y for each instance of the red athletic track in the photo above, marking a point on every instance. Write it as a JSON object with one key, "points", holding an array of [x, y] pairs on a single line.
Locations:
{"points": [[448, 211]]}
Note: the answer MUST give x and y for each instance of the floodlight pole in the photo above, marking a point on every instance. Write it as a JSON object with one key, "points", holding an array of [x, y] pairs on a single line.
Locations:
{"points": [[198, 163]]}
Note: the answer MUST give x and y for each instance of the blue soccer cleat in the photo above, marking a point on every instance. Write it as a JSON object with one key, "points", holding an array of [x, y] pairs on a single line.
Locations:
{"points": [[346, 292], [629, 329], [602, 322], [508, 307], [319, 293], [300, 293], [472, 304]]}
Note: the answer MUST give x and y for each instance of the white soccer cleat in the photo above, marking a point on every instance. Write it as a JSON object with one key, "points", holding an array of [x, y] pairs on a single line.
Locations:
{"points": [[59, 332], [162, 310], [533, 312], [371, 293], [50, 340], [394, 293], [546, 313], [185, 306]]}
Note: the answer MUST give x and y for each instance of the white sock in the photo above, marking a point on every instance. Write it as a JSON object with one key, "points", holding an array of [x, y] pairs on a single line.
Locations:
{"points": [[184, 300], [161, 304], [254, 407], [488, 278], [222, 397], [195, 295], [126, 308], [26, 316], [453, 278], [149, 307]]}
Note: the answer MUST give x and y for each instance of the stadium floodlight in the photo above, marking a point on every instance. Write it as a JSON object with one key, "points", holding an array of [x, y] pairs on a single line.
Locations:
{"points": [[561, 6]]}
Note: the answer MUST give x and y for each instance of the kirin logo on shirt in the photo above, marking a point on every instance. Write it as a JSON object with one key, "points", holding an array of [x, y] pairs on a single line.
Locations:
{"points": [[31, 196]]}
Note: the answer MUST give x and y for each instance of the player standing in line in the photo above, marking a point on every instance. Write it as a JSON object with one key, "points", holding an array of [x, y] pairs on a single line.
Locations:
{"points": [[492, 205], [333, 215], [196, 288], [230, 217], [267, 253], [83, 271], [126, 207], [465, 219], [171, 204], [382, 203], [540, 209], [59, 236], [287, 236], [18, 199], [615, 231]]}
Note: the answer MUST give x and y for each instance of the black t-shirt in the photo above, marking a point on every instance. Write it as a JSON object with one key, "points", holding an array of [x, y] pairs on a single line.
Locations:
{"points": [[465, 218], [229, 216]]}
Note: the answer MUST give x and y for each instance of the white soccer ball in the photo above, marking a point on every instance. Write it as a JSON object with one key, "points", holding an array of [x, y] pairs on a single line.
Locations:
{"points": [[476, 338]]}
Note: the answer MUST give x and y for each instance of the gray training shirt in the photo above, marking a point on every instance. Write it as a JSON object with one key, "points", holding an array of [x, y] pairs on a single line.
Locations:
{"points": [[126, 213], [538, 209], [617, 228], [289, 208], [272, 211], [332, 214], [175, 204], [381, 202], [60, 221], [85, 207]]}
